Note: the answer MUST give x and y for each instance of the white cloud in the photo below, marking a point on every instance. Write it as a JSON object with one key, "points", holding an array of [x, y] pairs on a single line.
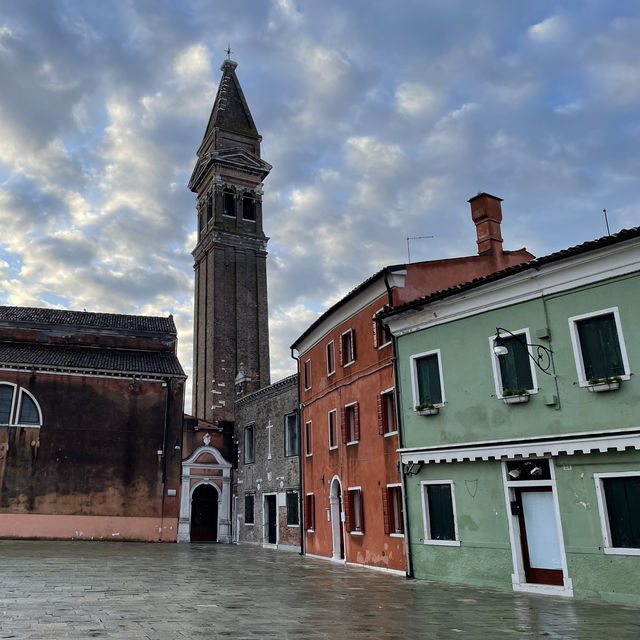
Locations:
{"points": [[415, 99], [551, 29]]}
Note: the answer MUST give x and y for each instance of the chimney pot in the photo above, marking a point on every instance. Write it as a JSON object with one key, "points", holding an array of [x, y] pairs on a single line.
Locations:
{"points": [[486, 212]]}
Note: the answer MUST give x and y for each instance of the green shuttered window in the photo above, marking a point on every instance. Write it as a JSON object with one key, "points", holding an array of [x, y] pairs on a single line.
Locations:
{"points": [[439, 512], [623, 510], [428, 376], [515, 367], [600, 346]]}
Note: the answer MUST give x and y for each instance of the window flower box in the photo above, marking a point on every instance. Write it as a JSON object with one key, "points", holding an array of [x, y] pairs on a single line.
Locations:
{"points": [[515, 396], [598, 386], [427, 409]]}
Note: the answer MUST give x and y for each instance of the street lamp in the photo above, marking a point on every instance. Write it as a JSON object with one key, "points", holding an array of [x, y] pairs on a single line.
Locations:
{"points": [[543, 356]]}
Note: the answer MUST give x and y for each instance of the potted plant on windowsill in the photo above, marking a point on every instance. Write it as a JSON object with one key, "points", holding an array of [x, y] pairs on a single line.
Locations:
{"points": [[427, 409], [609, 383], [515, 396]]}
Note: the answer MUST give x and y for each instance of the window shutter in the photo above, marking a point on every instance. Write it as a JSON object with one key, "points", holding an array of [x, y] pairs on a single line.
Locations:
{"points": [[343, 425], [348, 512], [600, 347], [428, 374], [361, 507], [353, 344], [385, 510], [306, 512], [380, 415], [341, 351], [374, 328], [356, 420], [313, 511]]}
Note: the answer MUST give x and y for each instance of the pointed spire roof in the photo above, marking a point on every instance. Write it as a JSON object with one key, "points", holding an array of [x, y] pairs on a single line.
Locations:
{"points": [[230, 110]]}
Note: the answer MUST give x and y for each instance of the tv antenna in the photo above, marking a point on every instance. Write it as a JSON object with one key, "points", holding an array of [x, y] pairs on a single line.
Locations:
{"points": [[606, 221], [408, 246]]}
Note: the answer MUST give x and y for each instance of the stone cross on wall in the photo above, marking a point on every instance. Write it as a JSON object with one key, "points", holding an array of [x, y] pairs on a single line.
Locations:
{"points": [[268, 428]]}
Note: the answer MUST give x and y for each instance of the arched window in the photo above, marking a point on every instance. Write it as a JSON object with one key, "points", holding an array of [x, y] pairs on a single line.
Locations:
{"points": [[209, 209], [18, 407], [228, 204], [248, 208]]}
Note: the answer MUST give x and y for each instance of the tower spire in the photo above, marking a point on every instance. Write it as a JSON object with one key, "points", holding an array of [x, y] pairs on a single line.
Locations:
{"points": [[230, 315]]}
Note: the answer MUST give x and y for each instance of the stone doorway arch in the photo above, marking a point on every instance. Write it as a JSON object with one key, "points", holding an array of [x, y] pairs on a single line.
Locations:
{"points": [[337, 526], [205, 499]]}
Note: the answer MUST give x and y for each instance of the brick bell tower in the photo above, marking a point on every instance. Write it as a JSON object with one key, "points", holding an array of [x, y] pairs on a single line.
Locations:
{"points": [[231, 332]]}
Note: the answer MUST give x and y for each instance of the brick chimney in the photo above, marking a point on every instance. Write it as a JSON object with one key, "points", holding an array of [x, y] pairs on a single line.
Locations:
{"points": [[486, 212]]}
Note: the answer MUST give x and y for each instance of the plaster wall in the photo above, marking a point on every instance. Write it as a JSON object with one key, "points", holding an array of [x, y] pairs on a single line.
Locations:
{"points": [[96, 453], [474, 413]]}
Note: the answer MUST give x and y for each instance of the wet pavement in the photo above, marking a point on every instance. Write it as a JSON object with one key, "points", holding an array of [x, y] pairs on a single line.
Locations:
{"points": [[166, 591]]}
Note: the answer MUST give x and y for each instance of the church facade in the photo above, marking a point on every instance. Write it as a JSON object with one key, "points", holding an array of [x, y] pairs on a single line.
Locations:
{"points": [[91, 412]]}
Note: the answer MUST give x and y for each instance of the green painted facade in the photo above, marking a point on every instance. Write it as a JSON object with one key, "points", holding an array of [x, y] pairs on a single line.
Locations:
{"points": [[474, 414]]}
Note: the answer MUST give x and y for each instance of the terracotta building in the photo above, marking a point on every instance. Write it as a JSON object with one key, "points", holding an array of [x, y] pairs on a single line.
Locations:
{"points": [[352, 485], [91, 409]]}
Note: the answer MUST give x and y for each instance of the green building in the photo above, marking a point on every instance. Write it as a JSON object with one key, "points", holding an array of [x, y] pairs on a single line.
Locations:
{"points": [[520, 425]]}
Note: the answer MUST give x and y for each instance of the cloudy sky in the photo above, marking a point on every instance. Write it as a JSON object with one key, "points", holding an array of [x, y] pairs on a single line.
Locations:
{"points": [[380, 120]]}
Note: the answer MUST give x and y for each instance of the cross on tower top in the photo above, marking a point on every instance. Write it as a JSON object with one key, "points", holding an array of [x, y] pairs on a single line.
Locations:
{"points": [[228, 51]]}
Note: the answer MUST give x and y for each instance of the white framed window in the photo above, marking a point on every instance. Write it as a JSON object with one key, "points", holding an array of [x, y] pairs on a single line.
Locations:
{"points": [[307, 374], [426, 378], [381, 333], [392, 510], [291, 437], [515, 370], [249, 444], [387, 412], [308, 438], [439, 513], [354, 516], [293, 510], [351, 423], [619, 507], [598, 345], [331, 358], [332, 425], [18, 407], [347, 348], [249, 504], [310, 512]]}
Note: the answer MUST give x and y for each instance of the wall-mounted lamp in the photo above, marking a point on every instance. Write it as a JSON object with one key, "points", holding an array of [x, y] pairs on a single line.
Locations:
{"points": [[515, 473], [177, 446], [543, 356], [412, 468]]}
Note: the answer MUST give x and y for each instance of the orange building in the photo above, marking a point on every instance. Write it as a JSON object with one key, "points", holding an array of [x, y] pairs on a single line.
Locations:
{"points": [[352, 481]]}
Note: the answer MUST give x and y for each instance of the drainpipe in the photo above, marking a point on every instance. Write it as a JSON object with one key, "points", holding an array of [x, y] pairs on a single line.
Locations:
{"points": [[396, 382], [167, 385], [300, 471], [405, 510]]}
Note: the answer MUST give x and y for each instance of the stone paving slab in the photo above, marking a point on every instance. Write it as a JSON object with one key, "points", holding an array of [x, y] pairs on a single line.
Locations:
{"points": [[57, 590]]}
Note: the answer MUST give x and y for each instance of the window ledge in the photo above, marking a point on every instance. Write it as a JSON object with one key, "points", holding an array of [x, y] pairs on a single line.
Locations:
{"points": [[621, 551], [292, 526], [397, 535], [386, 344], [310, 531], [333, 448], [443, 543], [348, 364], [356, 533], [228, 215], [330, 373], [308, 455], [390, 433], [352, 442], [249, 524]]}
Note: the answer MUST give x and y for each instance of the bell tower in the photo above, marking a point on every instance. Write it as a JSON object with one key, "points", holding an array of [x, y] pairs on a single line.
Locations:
{"points": [[231, 332]]}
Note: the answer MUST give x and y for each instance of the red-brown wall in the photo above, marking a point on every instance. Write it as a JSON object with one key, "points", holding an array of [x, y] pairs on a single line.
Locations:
{"points": [[93, 468], [371, 463]]}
